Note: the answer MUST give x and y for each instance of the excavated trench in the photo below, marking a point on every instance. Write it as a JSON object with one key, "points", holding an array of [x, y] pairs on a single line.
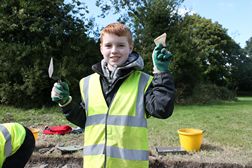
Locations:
{"points": [[47, 155], [70, 162]]}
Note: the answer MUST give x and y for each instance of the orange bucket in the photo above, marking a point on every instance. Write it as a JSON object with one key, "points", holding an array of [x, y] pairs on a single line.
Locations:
{"points": [[35, 133], [190, 139]]}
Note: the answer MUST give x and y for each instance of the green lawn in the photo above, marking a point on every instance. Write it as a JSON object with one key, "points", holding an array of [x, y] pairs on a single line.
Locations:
{"points": [[227, 125]]}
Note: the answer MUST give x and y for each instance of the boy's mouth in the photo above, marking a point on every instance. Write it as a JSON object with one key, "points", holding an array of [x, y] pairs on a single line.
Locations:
{"points": [[115, 58]]}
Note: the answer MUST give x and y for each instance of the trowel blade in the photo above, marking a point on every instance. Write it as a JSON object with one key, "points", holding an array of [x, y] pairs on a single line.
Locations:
{"points": [[50, 68]]}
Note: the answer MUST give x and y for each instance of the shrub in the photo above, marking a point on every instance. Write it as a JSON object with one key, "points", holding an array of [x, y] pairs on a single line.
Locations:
{"points": [[207, 93]]}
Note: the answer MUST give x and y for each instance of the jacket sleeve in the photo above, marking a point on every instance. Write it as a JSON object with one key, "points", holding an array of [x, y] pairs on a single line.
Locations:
{"points": [[160, 96], [75, 113]]}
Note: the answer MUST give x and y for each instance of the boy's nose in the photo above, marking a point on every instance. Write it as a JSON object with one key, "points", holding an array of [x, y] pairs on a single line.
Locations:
{"points": [[114, 49]]}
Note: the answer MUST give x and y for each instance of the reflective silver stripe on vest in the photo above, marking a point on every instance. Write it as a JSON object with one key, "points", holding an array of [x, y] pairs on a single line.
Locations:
{"points": [[138, 120], [94, 149], [115, 120], [116, 152], [85, 89], [8, 144], [140, 95]]}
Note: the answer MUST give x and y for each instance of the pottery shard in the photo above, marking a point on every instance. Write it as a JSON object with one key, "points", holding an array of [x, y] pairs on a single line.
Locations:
{"points": [[161, 40]]}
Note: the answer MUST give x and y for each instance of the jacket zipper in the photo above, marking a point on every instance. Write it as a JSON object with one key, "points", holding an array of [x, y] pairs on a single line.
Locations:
{"points": [[106, 121], [106, 135]]}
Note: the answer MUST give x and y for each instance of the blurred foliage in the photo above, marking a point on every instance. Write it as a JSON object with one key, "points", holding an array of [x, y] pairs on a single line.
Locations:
{"points": [[31, 32], [204, 53]]}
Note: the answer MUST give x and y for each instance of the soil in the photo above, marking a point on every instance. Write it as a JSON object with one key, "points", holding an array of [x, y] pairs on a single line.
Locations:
{"points": [[71, 162], [47, 155]]}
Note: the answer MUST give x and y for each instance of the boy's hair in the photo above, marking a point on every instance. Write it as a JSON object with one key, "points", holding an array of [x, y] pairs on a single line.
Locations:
{"points": [[118, 29]]}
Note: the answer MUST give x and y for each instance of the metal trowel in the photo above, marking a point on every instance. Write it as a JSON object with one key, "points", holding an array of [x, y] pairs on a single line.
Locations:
{"points": [[50, 71], [173, 150]]}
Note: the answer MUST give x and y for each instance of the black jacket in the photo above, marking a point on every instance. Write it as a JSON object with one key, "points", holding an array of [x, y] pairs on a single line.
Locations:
{"points": [[159, 97]]}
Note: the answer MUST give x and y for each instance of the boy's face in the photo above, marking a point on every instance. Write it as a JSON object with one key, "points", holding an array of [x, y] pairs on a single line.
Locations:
{"points": [[115, 49]]}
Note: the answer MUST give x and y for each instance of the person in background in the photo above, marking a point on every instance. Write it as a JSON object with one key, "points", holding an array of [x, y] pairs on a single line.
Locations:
{"points": [[116, 101], [16, 145]]}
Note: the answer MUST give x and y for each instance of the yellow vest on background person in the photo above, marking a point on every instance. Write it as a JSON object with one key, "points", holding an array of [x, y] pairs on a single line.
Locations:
{"points": [[116, 136], [12, 136]]}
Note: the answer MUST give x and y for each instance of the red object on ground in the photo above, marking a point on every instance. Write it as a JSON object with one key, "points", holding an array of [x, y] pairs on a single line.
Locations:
{"points": [[60, 129]]}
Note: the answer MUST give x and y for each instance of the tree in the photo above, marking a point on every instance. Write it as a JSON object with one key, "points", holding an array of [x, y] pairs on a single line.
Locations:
{"points": [[248, 47], [204, 54], [243, 74], [31, 32]]}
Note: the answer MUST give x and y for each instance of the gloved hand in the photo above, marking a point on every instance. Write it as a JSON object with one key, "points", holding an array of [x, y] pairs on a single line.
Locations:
{"points": [[60, 93], [161, 59]]}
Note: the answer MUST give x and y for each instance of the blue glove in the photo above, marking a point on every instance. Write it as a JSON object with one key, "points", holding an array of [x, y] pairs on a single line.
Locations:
{"points": [[60, 93], [161, 59]]}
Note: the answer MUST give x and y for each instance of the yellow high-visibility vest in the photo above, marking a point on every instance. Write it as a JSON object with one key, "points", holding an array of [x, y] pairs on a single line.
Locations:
{"points": [[12, 136], [116, 136]]}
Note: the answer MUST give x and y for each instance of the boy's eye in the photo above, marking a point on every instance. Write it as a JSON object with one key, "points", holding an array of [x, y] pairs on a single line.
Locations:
{"points": [[121, 45], [108, 45]]}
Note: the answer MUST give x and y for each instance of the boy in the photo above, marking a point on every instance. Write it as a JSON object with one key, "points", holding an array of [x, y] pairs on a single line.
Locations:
{"points": [[117, 99], [16, 145]]}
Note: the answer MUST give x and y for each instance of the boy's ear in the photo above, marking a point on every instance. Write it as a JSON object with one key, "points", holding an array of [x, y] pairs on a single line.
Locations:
{"points": [[131, 48], [100, 47]]}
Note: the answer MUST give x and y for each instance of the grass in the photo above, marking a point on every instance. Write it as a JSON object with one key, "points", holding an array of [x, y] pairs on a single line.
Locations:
{"points": [[227, 128], [227, 125], [32, 117]]}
